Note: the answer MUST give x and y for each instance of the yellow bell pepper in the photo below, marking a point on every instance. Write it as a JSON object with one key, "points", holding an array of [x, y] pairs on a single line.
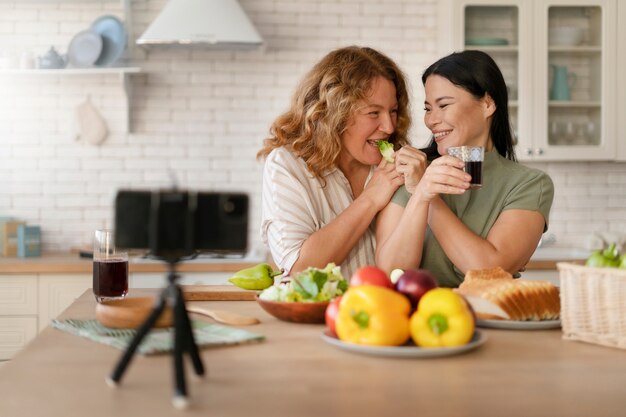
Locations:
{"points": [[372, 315], [442, 319]]}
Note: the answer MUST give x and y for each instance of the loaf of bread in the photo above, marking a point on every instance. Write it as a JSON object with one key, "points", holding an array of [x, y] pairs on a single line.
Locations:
{"points": [[494, 294]]}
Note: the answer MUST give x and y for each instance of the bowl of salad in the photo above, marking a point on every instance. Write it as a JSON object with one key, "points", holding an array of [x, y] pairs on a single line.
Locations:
{"points": [[303, 297]]}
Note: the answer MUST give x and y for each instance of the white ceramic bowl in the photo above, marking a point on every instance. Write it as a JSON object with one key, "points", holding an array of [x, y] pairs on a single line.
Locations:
{"points": [[566, 36]]}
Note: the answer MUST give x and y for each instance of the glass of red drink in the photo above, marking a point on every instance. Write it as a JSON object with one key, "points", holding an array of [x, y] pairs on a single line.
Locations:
{"points": [[473, 157], [110, 267]]}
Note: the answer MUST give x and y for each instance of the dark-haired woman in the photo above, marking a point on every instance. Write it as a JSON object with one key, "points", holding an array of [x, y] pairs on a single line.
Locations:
{"points": [[324, 180], [443, 225]]}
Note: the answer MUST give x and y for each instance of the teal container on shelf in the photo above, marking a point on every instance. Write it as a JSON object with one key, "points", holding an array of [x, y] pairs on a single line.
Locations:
{"points": [[28, 241]]}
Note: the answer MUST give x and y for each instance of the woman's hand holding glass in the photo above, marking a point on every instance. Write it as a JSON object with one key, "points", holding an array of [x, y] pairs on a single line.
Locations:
{"points": [[444, 175], [411, 163]]}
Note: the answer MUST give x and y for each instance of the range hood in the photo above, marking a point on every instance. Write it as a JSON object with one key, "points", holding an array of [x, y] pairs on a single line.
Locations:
{"points": [[220, 24]]}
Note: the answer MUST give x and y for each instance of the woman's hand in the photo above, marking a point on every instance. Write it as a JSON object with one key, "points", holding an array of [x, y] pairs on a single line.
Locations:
{"points": [[385, 181], [411, 163], [444, 175]]}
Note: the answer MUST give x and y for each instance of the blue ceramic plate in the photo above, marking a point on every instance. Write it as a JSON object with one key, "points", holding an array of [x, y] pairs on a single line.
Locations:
{"points": [[84, 49], [114, 37], [407, 351]]}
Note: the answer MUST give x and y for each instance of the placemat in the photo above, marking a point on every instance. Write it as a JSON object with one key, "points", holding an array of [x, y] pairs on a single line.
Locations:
{"points": [[157, 340]]}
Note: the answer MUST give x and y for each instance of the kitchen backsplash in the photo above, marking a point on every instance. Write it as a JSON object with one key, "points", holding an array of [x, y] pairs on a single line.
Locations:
{"points": [[202, 115]]}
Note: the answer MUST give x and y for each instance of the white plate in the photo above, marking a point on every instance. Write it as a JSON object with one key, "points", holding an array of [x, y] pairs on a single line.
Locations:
{"points": [[519, 325], [84, 49], [408, 351]]}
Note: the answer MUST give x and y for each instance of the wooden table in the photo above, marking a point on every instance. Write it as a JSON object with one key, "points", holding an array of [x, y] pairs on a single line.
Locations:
{"points": [[295, 373]]}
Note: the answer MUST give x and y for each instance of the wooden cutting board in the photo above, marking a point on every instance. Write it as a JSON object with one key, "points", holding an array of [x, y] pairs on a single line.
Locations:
{"points": [[217, 293]]}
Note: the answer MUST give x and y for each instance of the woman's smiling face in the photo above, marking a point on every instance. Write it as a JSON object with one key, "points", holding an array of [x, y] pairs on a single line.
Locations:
{"points": [[455, 117], [375, 120]]}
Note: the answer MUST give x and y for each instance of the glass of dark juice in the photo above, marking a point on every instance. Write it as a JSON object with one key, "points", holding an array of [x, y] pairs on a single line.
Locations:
{"points": [[110, 268], [473, 156]]}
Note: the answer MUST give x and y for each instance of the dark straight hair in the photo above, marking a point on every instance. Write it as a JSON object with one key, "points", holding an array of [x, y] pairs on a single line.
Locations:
{"points": [[477, 73]]}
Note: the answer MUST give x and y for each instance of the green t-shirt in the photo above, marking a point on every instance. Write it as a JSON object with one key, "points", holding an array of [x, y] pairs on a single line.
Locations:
{"points": [[506, 185]]}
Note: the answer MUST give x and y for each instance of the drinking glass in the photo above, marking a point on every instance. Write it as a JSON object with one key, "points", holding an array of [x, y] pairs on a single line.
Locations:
{"points": [[590, 132], [110, 267], [570, 132], [473, 157]]}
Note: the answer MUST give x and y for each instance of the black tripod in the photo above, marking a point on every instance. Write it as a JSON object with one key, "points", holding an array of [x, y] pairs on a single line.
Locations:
{"points": [[171, 295]]}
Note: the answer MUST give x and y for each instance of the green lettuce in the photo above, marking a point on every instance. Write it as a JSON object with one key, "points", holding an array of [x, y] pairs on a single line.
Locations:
{"points": [[310, 285], [386, 150]]}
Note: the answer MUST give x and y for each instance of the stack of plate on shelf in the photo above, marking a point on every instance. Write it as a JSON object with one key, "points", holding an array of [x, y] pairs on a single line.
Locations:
{"points": [[102, 45]]}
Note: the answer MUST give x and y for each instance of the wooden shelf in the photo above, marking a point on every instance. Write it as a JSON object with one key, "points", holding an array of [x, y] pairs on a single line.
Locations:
{"points": [[575, 49], [73, 71], [122, 72], [494, 48], [574, 104]]}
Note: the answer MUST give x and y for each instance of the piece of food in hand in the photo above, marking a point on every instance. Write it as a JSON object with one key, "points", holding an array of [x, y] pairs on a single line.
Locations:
{"points": [[494, 294], [370, 275], [375, 316], [386, 150], [310, 285], [442, 319], [330, 315], [414, 283], [395, 274], [258, 277]]}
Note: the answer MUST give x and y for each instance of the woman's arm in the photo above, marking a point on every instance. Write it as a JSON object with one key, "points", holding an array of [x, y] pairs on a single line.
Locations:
{"points": [[400, 235], [400, 231], [509, 244], [334, 241]]}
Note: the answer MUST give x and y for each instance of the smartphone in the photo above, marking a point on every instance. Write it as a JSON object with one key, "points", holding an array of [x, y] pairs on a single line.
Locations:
{"points": [[173, 224]]}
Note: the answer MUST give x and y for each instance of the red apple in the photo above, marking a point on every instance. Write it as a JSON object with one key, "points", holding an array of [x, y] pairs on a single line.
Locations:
{"points": [[414, 283], [330, 315], [370, 275]]}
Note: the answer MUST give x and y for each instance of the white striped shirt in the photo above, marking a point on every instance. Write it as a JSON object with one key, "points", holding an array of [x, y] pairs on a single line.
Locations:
{"points": [[295, 206]]}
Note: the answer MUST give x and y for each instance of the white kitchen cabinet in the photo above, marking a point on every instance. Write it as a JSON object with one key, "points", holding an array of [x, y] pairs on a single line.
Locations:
{"points": [[57, 292], [516, 33], [621, 83], [18, 313]]}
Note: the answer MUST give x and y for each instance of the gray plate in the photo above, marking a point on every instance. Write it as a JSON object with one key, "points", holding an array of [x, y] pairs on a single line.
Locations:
{"points": [[405, 351], [519, 325]]}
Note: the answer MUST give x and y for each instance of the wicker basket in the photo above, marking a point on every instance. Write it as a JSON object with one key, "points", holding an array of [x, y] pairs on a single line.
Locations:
{"points": [[593, 304]]}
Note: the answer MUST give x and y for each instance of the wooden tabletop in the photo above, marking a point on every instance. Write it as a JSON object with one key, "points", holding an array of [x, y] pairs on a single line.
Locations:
{"points": [[295, 373]]}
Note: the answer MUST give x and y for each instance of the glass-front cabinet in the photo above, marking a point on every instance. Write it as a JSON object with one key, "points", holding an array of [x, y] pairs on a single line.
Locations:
{"points": [[558, 60]]}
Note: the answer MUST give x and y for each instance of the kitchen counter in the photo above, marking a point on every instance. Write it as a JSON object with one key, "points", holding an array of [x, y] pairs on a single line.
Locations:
{"points": [[294, 372], [71, 263]]}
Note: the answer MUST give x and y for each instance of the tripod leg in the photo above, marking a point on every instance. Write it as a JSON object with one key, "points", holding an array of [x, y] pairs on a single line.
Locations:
{"points": [[124, 361], [180, 390], [190, 344]]}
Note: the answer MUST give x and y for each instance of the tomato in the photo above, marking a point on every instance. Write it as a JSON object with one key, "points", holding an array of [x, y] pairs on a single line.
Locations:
{"points": [[331, 315], [371, 275]]}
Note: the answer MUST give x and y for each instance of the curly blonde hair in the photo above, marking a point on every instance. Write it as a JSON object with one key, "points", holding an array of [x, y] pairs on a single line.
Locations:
{"points": [[325, 100]]}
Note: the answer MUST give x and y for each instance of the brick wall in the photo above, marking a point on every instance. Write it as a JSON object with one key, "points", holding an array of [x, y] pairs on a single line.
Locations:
{"points": [[203, 114]]}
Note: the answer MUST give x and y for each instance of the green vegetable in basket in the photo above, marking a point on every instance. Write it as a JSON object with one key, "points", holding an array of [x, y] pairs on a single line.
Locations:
{"points": [[605, 258], [622, 263]]}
